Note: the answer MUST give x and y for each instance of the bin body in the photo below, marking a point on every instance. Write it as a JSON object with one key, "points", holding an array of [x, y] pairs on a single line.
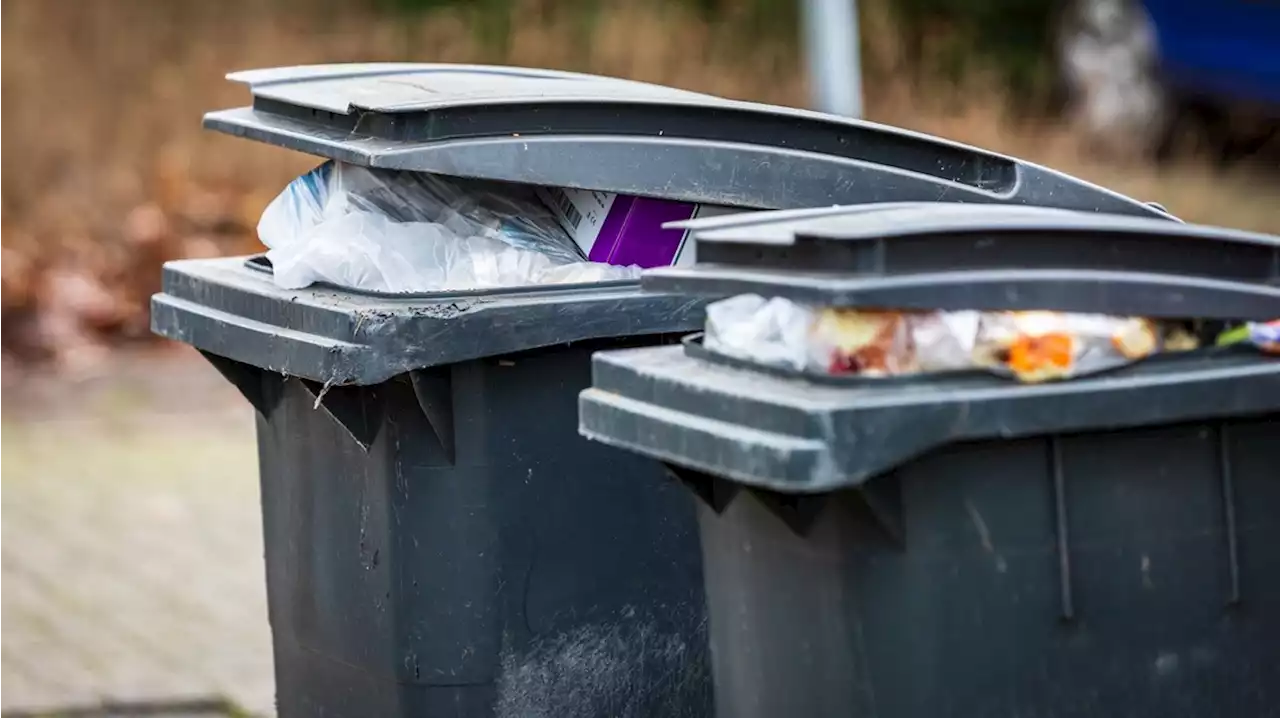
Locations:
{"points": [[1072, 554], [956, 544], [1158, 594], [439, 539], [531, 573]]}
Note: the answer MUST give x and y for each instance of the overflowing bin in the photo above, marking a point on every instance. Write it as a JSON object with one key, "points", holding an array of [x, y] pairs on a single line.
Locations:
{"points": [[961, 543], [439, 539]]}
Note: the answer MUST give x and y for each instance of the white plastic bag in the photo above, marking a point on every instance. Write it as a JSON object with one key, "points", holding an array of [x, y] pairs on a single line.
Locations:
{"points": [[1027, 346], [391, 231], [774, 332]]}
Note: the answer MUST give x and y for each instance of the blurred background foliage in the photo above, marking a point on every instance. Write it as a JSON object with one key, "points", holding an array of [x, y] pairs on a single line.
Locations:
{"points": [[1008, 37]]}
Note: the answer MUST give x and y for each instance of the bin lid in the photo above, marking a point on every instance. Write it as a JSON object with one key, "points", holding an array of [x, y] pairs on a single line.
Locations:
{"points": [[965, 256], [806, 436], [581, 131]]}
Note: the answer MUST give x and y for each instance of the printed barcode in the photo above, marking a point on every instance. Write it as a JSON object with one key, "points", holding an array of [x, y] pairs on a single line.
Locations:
{"points": [[571, 213]]}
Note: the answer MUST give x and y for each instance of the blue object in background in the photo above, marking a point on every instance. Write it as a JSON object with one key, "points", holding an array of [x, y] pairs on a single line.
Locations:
{"points": [[1223, 50]]}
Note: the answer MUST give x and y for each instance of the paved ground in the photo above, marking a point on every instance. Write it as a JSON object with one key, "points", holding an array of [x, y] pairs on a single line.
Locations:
{"points": [[132, 546]]}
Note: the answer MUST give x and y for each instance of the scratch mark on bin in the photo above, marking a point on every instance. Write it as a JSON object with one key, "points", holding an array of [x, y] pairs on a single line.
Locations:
{"points": [[984, 535], [440, 310], [1165, 664]]}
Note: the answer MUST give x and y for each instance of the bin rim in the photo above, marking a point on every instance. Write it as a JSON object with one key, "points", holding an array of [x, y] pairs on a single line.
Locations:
{"points": [[261, 264], [793, 435], [229, 309]]}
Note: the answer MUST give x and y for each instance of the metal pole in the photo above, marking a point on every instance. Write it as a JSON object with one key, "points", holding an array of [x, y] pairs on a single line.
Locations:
{"points": [[831, 44]]}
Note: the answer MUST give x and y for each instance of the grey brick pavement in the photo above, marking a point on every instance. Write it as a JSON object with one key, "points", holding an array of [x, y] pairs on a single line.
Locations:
{"points": [[132, 545]]}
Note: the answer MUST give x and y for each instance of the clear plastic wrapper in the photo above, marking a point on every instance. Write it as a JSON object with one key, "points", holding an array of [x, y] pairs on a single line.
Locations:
{"points": [[1046, 346], [1028, 346], [392, 231], [842, 341], [944, 341]]}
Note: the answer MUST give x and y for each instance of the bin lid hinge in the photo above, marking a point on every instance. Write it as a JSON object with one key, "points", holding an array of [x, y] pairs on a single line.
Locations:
{"points": [[883, 498], [434, 392], [249, 380], [713, 490], [355, 408]]}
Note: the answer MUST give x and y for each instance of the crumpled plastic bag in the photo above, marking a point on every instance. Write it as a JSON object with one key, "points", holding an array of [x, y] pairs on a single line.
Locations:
{"points": [[765, 331], [402, 232], [1028, 346]]}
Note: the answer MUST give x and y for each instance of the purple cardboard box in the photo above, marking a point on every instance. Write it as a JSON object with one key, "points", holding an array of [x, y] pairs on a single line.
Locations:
{"points": [[626, 230]]}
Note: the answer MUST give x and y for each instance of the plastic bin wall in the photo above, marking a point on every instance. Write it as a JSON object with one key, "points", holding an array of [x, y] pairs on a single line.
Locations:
{"points": [[956, 544], [1128, 573], [444, 543]]}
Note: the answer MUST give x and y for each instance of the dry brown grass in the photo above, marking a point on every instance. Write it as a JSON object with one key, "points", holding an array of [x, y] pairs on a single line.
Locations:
{"points": [[108, 172]]}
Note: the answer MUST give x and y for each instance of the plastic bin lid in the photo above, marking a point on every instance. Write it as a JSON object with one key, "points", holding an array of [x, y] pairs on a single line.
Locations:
{"points": [[960, 256], [778, 433], [581, 131]]}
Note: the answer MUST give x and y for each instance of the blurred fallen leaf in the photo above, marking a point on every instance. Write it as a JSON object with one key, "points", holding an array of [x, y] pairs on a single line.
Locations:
{"points": [[17, 278], [79, 296], [146, 225], [200, 247]]}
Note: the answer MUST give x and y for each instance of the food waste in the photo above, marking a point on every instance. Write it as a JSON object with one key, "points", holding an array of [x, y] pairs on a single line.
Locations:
{"points": [[1028, 346]]}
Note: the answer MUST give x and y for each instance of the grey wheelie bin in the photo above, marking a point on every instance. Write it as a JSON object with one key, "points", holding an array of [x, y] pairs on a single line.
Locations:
{"points": [[439, 540], [958, 545]]}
